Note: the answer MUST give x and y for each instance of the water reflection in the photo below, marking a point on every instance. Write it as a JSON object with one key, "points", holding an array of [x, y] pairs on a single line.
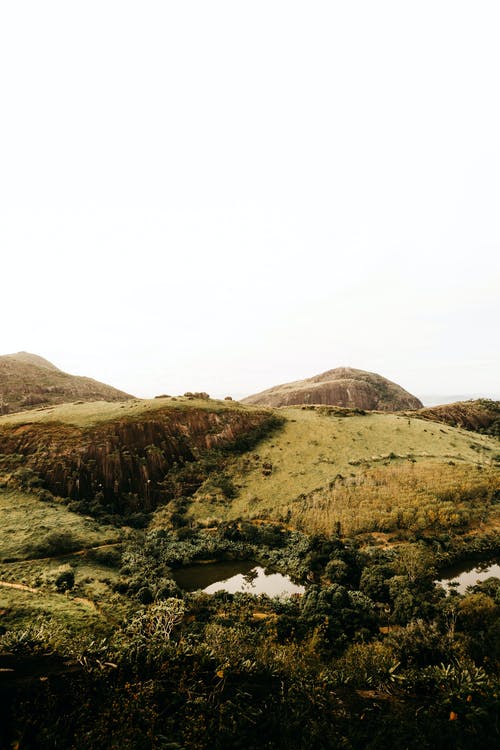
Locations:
{"points": [[234, 577], [468, 574]]}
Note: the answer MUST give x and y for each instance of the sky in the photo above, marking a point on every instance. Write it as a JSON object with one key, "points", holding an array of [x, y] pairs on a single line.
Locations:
{"points": [[227, 195]]}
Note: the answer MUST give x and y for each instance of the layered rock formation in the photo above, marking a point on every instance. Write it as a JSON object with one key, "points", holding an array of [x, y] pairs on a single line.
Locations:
{"points": [[343, 386], [128, 457]]}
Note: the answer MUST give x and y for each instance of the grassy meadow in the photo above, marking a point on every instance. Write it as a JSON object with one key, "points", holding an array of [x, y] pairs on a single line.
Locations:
{"points": [[414, 497], [41, 543], [86, 414], [32, 528], [363, 471]]}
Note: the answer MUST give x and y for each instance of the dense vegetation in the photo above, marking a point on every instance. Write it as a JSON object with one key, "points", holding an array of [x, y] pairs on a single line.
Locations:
{"points": [[373, 655], [362, 510]]}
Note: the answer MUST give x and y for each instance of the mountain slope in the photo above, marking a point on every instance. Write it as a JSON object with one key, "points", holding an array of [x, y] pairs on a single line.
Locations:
{"points": [[343, 386], [123, 453], [371, 472], [27, 380], [481, 415]]}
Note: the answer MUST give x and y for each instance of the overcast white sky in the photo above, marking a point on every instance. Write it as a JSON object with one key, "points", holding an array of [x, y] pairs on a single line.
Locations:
{"points": [[223, 196]]}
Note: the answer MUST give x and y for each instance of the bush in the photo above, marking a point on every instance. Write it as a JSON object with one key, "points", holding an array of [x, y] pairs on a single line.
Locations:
{"points": [[65, 581], [145, 595], [108, 557], [57, 543]]}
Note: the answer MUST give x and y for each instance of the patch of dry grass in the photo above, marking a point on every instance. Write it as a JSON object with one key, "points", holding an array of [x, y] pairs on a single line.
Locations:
{"points": [[414, 497], [316, 451]]}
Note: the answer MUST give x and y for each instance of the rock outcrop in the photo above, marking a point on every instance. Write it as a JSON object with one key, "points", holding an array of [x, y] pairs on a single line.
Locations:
{"points": [[481, 415], [128, 458], [343, 386], [28, 381]]}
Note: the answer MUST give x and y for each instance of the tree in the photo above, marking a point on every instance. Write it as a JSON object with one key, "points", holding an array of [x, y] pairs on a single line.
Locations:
{"points": [[415, 562], [153, 626]]}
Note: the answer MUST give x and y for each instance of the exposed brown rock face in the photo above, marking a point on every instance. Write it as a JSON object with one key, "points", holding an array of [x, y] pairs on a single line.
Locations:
{"points": [[343, 386], [481, 415], [126, 456], [27, 380]]}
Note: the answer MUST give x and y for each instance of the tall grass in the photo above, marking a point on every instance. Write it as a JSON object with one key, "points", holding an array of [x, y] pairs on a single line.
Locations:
{"points": [[415, 497]]}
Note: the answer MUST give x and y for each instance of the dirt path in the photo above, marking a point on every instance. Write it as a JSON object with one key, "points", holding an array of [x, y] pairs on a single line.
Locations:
{"points": [[79, 552], [22, 587], [19, 587]]}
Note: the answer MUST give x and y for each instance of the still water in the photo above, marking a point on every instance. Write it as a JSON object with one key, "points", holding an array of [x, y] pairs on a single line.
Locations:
{"points": [[469, 573], [234, 576]]}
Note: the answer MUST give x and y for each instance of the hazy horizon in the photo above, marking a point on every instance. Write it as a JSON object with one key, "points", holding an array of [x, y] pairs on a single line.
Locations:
{"points": [[224, 197], [427, 399]]}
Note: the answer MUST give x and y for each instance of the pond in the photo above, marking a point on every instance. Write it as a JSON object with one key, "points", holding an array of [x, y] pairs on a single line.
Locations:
{"points": [[234, 576], [469, 573]]}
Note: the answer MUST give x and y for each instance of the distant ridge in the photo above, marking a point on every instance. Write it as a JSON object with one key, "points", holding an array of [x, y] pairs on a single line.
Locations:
{"points": [[28, 380], [481, 415], [343, 386]]}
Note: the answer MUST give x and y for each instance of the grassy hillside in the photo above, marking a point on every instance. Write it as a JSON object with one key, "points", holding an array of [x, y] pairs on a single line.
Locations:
{"points": [[319, 470], [34, 528], [96, 412], [41, 544], [297, 474]]}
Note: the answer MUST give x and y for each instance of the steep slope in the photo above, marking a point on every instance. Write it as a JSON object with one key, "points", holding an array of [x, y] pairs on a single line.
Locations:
{"points": [[27, 380], [124, 459], [343, 386]]}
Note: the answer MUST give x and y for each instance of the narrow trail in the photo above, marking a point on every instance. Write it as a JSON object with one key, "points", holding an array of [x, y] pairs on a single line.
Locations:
{"points": [[79, 552], [22, 587], [19, 587]]}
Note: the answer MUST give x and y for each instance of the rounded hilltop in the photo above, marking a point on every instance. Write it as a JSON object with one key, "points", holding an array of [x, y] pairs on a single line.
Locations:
{"points": [[28, 381], [343, 386]]}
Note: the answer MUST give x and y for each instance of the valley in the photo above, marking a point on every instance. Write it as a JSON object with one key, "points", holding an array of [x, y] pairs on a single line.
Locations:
{"points": [[196, 553]]}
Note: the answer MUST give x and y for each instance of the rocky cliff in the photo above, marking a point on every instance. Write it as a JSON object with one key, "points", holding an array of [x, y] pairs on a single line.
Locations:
{"points": [[343, 386], [128, 457]]}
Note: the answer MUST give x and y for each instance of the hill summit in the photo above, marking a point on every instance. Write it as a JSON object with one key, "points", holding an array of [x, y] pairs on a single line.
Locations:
{"points": [[27, 380], [343, 386]]}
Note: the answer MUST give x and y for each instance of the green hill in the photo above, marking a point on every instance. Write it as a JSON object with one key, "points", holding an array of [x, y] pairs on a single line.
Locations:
{"points": [[323, 465], [123, 453], [77, 480]]}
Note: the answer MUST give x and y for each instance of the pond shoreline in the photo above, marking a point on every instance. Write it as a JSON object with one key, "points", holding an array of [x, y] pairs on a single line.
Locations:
{"points": [[235, 576], [469, 573]]}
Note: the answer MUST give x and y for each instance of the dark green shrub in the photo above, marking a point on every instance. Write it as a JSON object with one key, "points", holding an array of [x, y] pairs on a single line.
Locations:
{"points": [[57, 543], [65, 581], [145, 595]]}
